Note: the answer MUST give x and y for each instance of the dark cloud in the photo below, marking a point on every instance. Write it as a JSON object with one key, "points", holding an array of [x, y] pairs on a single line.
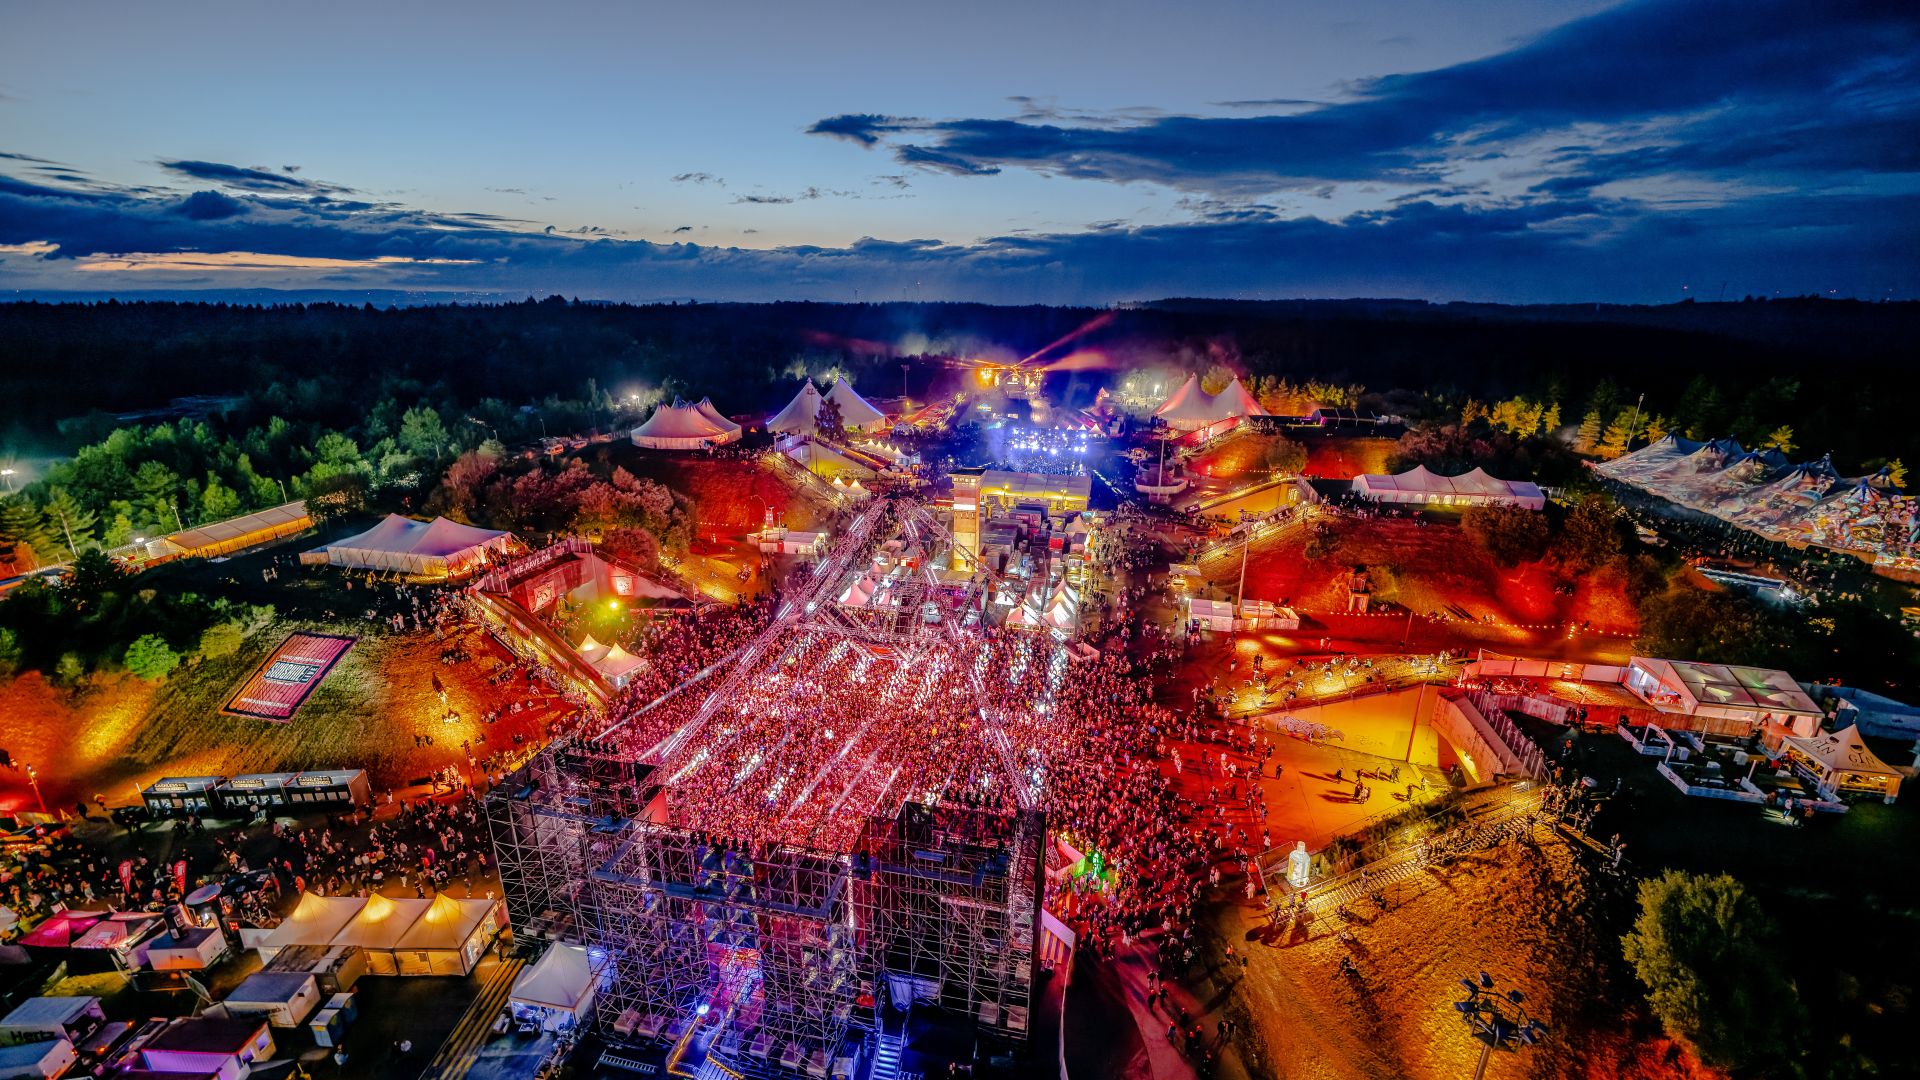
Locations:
{"points": [[1717, 85], [898, 180], [209, 206], [1538, 248], [246, 179], [699, 178], [10, 156], [763, 200]]}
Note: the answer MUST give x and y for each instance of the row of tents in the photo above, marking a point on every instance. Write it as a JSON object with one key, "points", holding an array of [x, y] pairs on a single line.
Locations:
{"points": [[1764, 492], [1422, 486], [441, 936], [1190, 408], [698, 425]]}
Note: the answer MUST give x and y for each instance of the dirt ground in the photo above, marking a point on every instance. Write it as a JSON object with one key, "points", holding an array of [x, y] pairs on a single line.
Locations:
{"points": [[1530, 914], [1331, 456], [1435, 569]]}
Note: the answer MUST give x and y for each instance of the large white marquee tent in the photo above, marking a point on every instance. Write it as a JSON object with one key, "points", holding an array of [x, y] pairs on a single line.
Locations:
{"points": [[684, 426], [1476, 488], [437, 548]]}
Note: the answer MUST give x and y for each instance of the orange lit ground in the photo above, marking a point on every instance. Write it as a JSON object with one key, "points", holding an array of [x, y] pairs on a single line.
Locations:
{"points": [[727, 493], [1442, 575], [122, 732], [1526, 913]]}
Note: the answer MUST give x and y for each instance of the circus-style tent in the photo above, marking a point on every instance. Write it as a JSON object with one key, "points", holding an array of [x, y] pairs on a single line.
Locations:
{"points": [[705, 405], [437, 548], [855, 411], [802, 414], [681, 426], [1188, 408], [1235, 401], [1476, 488]]}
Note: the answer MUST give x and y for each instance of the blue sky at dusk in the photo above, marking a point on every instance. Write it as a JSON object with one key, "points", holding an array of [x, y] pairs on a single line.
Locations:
{"points": [[1523, 151]]}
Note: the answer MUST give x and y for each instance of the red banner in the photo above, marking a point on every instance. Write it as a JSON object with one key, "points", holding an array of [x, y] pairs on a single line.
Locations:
{"points": [[126, 874], [180, 876]]}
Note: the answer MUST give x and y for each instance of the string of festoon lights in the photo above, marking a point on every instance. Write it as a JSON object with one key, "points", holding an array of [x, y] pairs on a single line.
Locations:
{"points": [[1444, 618]]}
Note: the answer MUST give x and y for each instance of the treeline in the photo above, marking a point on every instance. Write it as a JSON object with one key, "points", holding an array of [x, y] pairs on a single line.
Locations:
{"points": [[1833, 371]]}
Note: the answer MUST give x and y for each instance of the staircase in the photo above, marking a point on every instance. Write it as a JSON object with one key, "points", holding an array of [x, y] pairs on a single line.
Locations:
{"points": [[886, 1058]]}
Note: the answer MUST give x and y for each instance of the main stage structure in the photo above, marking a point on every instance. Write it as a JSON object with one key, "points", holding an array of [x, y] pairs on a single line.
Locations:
{"points": [[756, 907]]}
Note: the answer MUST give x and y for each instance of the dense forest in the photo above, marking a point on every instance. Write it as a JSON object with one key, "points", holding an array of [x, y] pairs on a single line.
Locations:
{"points": [[311, 399], [1836, 371]]}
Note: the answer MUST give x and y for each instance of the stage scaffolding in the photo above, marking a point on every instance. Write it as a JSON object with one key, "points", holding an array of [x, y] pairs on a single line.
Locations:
{"points": [[775, 960]]}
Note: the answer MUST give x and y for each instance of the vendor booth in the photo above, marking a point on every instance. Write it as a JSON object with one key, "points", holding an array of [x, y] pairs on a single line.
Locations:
{"points": [[176, 796], [192, 948], [1210, 614], [338, 787], [316, 920], [255, 791], [558, 990], [1841, 762], [448, 938], [120, 940]]}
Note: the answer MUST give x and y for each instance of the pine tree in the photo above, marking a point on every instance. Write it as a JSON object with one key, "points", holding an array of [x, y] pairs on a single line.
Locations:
{"points": [[1587, 439], [1897, 473], [1657, 428], [1551, 420], [1471, 411], [22, 527], [69, 522], [1781, 439], [1618, 437]]}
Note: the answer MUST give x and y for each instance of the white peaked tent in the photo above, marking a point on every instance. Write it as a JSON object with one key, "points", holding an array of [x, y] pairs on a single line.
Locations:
{"points": [[1234, 402], [447, 938], [681, 426], [801, 416], [618, 666], [855, 411], [591, 650], [705, 405], [316, 920], [1188, 408], [437, 548], [1476, 488], [1843, 762], [560, 985]]}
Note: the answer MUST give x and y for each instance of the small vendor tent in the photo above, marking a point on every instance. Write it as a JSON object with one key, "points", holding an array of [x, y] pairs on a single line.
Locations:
{"points": [[681, 426], [1841, 761], [437, 548], [378, 927], [447, 938], [61, 930], [316, 921], [559, 987]]}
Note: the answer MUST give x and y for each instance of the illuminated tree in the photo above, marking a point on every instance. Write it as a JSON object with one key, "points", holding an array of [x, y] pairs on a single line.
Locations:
{"points": [[1471, 411], [421, 432], [1216, 378], [1781, 439], [1897, 473], [1510, 534], [1620, 435], [150, 657], [1550, 420], [1706, 952], [1657, 428], [1286, 457], [1587, 439]]}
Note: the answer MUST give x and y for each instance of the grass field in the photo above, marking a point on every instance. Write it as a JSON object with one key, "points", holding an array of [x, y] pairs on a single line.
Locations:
{"points": [[122, 732]]}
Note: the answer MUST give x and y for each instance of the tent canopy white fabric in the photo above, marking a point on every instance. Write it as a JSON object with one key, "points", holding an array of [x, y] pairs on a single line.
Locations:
{"points": [[802, 414], [856, 413], [1419, 485], [381, 922], [434, 547], [316, 920], [681, 426], [617, 665], [1188, 407], [445, 924], [1843, 751], [561, 979], [1235, 401]]}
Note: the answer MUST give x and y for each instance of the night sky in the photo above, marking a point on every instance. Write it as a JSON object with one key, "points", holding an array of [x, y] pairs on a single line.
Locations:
{"points": [[1518, 150]]}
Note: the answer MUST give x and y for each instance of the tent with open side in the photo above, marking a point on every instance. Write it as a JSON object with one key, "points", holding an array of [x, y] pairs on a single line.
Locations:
{"points": [[447, 939], [316, 921], [558, 988], [437, 548], [1841, 761], [681, 426], [1419, 485]]}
